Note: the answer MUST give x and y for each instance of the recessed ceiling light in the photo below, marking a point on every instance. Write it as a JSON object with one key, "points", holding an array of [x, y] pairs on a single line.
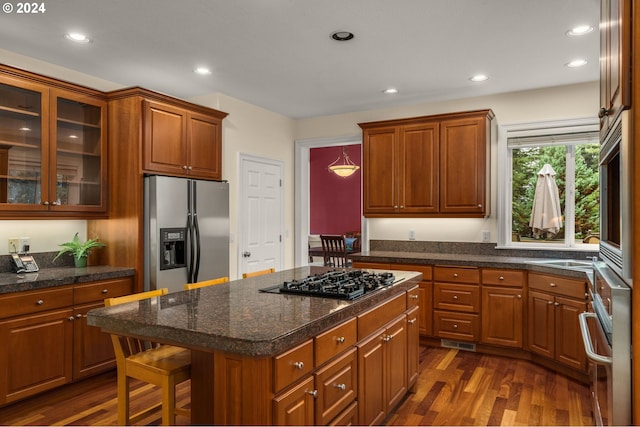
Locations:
{"points": [[203, 71], [25, 129], [576, 63], [479, 78], [73, 136], [342, 36], [390, 91], [580, 30], [77, 37]]}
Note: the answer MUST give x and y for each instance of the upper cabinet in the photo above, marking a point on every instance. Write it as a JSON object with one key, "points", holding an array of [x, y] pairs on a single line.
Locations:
{"points": [[53, 148], [427, 166], [178, 141], [615, 68]]}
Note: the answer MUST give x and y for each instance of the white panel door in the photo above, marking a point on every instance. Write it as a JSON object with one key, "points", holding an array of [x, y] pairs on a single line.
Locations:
{"points": [[261, 234]]}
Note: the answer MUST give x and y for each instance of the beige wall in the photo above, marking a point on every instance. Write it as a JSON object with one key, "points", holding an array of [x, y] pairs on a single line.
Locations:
{"points": [[557, 103]]}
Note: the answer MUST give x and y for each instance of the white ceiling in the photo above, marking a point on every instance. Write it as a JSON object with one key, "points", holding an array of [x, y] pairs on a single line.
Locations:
{"points": [[278, 54]]}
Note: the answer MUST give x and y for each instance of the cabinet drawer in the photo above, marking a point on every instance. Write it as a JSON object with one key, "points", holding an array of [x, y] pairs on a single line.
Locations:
{"points": [[426, 270], [98, 291], [503, 277], [348, 417], [457, 274], [337, 387], [35, 301], [335, 341], [558, 285], [377, 317], [449, 296], [413, 297], [293, 365], [457, 326]]}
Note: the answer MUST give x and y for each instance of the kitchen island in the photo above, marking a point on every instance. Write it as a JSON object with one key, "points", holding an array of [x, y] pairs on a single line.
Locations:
{"points": [[267, 358]]}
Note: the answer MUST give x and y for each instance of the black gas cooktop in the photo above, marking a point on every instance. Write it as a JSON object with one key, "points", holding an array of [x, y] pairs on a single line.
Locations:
{"points": [[341, 284]]}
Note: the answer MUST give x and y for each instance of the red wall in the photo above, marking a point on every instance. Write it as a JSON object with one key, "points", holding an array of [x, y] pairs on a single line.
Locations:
{"points": [[335, 202]]}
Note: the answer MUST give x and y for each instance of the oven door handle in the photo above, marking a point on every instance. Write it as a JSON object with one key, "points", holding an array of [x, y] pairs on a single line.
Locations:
{"points": [[586, 339]]}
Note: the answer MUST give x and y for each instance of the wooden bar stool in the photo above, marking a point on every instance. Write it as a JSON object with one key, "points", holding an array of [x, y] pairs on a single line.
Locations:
{"points": [[189, 286], [162, 365], [258, 273]]}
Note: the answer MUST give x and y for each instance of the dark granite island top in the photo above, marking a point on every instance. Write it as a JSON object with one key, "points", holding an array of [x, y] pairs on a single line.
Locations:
{"points": [[237, 317]]}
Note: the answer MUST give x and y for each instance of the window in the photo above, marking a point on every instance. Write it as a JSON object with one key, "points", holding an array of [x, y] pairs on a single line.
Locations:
{"points": [[571, 150]]}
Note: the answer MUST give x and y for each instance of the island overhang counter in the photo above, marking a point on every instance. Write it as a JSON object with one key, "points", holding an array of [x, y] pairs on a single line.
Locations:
{"points": [[237, 334]]}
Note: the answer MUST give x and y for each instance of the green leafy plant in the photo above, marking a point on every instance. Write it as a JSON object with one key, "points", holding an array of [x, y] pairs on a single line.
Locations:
{"points": [[78, 249]]}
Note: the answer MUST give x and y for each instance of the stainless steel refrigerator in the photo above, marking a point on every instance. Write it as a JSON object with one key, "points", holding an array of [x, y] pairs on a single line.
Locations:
{"points": [[186, 231]]}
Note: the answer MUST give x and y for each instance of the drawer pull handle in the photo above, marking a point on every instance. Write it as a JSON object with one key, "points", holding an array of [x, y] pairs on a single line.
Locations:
{"points": [[342, 387], [39, 302], [519, 296], [549, 302], [553, 285], [104, 291], [313, 393], [70, 318], [455, 274], [414, 297], [411, 321], [387, 338], [79, 316], [501, 278], [455, 297], [556, 304], [298, 365], [455, 326], [340, 340]]}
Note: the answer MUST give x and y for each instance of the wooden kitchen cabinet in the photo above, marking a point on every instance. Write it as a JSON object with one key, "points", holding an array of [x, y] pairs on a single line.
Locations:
{"points": [[53, 148], [424, 294], [47, 342], [503, 300], [413, 346], [295, 407], [181, 142], [427, 166], [456, 303], [615, 67], [554, 331]]}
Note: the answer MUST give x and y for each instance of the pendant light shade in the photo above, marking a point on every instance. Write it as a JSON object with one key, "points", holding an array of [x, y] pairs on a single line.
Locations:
{"points": [[343, 166]]}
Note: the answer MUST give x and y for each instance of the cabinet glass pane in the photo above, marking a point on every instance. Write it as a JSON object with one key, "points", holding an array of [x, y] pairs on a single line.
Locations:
{"points": [[78, 148], [20, 145]]}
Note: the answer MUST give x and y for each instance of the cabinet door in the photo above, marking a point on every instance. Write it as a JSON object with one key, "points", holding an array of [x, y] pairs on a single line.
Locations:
{"points": [[541, 324], [295, 407], [92, 348], [371, 382], [396, 362], [463, 166], [615, 54], [164, 139], [425, 302], [569, 347], [337, 385], [418, 169], [413, 345], [502, 319], [24, 145], [380, 170], [35, 354], [204, 148], [78, 176]]}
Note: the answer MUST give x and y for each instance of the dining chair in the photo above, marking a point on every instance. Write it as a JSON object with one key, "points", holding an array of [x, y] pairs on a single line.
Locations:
{"points": [[189, 286], [164, 366], [258, 273], [334, 250]]}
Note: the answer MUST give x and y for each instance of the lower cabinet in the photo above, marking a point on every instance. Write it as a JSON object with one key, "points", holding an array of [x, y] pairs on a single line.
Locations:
{"points": [[382, 371], [295, 407], [503, 307], [46, 341]]}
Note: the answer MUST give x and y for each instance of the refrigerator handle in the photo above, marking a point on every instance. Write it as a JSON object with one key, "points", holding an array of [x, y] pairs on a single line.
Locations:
{"points": [[190, 235], [196, 230]]}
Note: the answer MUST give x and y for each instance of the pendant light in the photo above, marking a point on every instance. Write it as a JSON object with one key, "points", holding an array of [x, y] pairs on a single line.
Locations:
{"points": [[343, 166]]}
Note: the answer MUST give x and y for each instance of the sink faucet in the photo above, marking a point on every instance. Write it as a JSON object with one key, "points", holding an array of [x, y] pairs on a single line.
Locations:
{"points": [[593, 258]]}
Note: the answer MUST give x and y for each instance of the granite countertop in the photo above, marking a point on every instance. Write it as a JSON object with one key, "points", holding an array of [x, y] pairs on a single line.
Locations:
{"points": [[465, 260], [58, 276], [237, 317]]}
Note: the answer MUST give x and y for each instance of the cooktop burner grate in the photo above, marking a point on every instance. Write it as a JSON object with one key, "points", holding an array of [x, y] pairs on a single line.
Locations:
{"points": [[341, 284]]}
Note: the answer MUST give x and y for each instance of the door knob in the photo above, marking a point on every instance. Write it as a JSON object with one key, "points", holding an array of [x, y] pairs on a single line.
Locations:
{"points": [[246, 254]]}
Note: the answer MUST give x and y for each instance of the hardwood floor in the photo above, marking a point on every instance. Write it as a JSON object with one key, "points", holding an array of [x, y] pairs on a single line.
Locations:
{"points": [[454, 388]]}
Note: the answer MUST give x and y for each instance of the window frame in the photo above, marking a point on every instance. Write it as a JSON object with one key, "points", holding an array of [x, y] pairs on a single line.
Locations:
{"points": [[505, 174]]}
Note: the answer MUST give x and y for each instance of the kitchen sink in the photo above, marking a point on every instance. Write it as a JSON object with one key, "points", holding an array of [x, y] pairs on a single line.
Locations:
{"points": [[569, 264]]}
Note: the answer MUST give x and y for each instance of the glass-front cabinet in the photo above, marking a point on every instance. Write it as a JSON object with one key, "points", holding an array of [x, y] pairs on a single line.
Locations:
{"points": [[52, 150]]}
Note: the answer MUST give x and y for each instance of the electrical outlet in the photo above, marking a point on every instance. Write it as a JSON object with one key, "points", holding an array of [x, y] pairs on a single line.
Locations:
{"points": [[13, 244], [412, 235], [486, 235], [24, 244]]}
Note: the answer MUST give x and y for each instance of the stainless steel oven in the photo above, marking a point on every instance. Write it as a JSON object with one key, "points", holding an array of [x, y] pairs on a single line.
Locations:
{"points": [[606, 333]]}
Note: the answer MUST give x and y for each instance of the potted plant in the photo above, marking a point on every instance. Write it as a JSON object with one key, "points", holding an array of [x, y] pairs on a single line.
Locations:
{"points": [[79, 251]]}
